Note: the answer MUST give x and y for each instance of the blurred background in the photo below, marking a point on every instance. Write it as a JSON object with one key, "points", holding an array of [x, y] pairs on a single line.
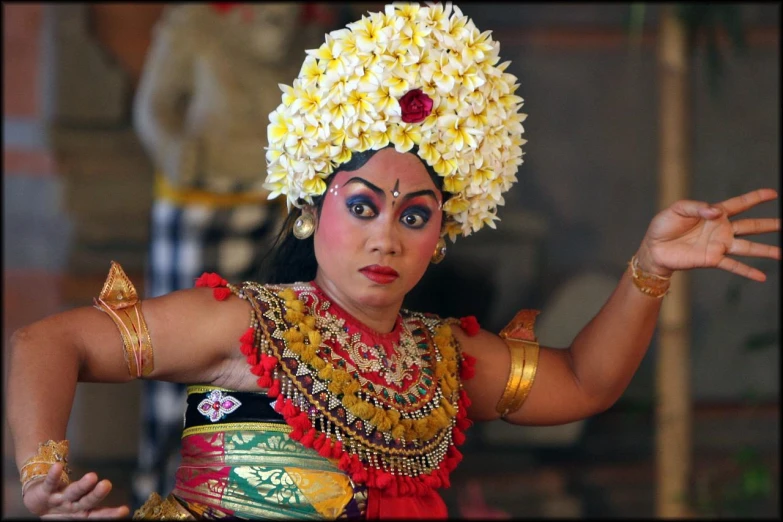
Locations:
{"points": [[79, 185]]}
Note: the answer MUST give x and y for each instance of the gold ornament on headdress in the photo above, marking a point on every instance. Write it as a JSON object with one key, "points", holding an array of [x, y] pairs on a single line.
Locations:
{"points": [[411, 75], [119, 300]]}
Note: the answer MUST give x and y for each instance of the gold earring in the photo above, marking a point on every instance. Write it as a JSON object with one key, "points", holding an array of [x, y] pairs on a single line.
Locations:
{"points": [[304, 226], [440, 252]]}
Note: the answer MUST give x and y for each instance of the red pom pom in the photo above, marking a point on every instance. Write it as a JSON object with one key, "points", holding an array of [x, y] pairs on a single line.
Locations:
{"points": [[248, 337], [337, 450], [345, 461], [221, 294], [289, 410], [269, 362], [467, 367], [470, 325], [326, 449], [309, 438], [299, 421], [319, 442], [201, 281], [383, 479], [265, 381], [274, 390]]}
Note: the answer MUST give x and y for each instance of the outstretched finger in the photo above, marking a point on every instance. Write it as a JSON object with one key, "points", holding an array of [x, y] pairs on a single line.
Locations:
{"points": [[742, 247], [743, 227], [742, 203], [95, 496], [53, 480], [76, 490], [736, 267]]}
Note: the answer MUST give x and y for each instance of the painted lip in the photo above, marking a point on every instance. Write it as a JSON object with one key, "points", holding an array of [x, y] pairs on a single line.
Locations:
{"points": [[380, 274]]}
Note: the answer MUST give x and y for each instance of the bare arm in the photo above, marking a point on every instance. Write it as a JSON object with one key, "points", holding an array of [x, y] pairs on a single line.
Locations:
{"points": [[595, 370], [193, 336]]}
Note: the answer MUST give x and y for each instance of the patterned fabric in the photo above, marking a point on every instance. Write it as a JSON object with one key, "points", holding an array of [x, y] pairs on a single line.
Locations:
{"points": [[390, 406], [246, 467], [186, 241]]}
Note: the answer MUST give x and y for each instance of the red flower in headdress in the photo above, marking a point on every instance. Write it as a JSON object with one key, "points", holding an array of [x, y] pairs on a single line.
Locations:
{"points": [[415, 106]]}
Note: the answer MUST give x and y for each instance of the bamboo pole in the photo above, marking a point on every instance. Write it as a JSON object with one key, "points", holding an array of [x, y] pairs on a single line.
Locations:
{"points": [[673, 414]]}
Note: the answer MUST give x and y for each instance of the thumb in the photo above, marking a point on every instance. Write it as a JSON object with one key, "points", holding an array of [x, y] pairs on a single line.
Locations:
{"points": [[690, 208]]}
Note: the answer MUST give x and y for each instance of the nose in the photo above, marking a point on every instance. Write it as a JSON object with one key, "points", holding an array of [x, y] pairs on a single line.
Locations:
{"points": [[385, 238]]}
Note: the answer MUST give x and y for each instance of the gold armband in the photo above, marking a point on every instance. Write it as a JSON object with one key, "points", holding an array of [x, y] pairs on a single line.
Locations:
{"points": [[38, 466], [648, 283], [121, 302], [523, 348]]}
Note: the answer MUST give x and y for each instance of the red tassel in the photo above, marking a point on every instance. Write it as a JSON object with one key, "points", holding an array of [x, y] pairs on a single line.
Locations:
{"points": [[248, 337], [299, 421], [463, 423], [288, 410], [326, 449], [464, 400], [337, 450], [404, 488], [383, 479], [467, 368], [392, 489], [308, 438], [258, 369], [296, 434], [265, 381], [319, 442], [274, 390], [470, 325], [246, 349], [279, 405], [345, 461], [269, 362], [221, 294], [459, 437], [211, 280]]}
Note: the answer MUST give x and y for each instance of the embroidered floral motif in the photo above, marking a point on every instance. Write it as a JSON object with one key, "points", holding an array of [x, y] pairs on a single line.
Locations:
{"points": [[216, 405]]}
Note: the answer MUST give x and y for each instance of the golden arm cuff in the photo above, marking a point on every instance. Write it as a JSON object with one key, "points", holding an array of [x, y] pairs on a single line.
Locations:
{"points": [[119, 300], [523, 349], [37, 466]]}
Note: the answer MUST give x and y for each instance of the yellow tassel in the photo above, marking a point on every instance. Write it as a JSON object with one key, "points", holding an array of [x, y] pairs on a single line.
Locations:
{"points": [[308, 354], [309, 321], [352, 387], [325, 373], [447, 407], [394, 416], [398, 431], [380, 420], [296, 347], [349, 401], [315, 337], [292, 335], [335, 387]]}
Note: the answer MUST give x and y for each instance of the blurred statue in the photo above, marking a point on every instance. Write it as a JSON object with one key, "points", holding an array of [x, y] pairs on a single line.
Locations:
{"points": [[201, 110]]}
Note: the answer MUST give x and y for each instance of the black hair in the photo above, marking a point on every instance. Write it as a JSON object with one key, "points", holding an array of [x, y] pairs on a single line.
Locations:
{"points": [[292, 260]]}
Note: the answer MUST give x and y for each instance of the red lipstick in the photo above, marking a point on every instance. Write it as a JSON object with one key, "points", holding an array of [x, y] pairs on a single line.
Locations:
{"points": [[380, 274]]}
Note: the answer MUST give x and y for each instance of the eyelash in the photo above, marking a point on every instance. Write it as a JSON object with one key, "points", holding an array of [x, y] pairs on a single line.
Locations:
{"points": [[419, 212]]}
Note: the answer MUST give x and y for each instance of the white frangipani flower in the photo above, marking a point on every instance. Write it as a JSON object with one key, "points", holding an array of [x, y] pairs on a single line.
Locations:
{"points": [[420, 78]]}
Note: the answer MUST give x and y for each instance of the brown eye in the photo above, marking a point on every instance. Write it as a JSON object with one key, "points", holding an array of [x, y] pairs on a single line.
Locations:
{"points": [[414, 219], [361, 210]]}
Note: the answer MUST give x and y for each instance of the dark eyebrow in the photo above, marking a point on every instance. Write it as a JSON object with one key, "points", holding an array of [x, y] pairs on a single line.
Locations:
{"points": [[367, 184], [420, 193]]}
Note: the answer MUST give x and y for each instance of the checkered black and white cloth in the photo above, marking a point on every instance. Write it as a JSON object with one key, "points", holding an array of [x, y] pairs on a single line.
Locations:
{"points": [[185, 242]]}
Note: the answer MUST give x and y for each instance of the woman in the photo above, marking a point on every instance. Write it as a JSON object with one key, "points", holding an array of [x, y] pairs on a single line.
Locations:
{"points": [[317, 395]]}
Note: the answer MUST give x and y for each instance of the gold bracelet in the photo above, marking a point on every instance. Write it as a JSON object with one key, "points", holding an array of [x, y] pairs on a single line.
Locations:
{"points": [[49, 453], [648, 283], [523, 349], [120, 301]]}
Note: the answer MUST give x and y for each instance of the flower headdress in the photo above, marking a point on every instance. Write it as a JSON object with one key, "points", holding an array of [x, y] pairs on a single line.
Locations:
{"points": [[411, 75]]}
